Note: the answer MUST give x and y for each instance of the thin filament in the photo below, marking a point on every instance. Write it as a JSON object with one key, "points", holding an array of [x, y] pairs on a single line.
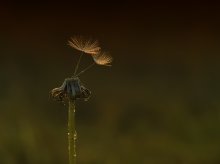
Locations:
{"points": [[77, 65], [87, 68]]}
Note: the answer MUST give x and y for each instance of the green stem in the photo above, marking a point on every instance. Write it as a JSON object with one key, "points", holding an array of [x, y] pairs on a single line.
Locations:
{"points": [[71, 133]]}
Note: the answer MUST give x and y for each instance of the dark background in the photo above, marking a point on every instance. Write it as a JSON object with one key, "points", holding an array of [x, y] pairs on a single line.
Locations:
{"points": [[157, 104]]}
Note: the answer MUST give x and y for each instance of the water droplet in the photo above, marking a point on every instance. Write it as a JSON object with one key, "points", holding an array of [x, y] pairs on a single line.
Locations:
{"points": [[75, 135]]}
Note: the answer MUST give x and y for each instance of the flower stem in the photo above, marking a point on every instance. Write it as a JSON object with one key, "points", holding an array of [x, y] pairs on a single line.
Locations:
{"points": [[71, 133]]}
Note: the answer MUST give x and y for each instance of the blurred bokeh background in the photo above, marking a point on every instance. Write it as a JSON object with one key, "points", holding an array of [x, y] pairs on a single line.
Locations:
{"points": [[157, 104]]}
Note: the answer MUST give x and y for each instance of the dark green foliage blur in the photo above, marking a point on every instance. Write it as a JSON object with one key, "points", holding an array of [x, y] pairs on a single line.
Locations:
{"points": [[158, 103]]}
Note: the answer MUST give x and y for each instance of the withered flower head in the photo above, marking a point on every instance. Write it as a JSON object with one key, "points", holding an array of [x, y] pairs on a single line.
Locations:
{"points": [[85, 45], [102, 59], [71, 89]]}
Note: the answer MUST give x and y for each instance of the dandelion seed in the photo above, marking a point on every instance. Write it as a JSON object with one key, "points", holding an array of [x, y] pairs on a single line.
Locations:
{"points": [[84, 45], [102, 59]]}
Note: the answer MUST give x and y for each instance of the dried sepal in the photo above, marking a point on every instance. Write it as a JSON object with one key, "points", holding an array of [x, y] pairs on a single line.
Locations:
{"points": [[102, 59], [58, 95], [85, 45]]}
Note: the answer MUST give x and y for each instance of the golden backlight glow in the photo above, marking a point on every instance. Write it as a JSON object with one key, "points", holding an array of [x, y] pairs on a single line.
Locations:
{"points": [[102, 59], [87, 46], [90, 47]]}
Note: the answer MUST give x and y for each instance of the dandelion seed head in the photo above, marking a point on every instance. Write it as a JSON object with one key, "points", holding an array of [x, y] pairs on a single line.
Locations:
{"points": [[85, 45], [102, 59], [71, 89]]}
